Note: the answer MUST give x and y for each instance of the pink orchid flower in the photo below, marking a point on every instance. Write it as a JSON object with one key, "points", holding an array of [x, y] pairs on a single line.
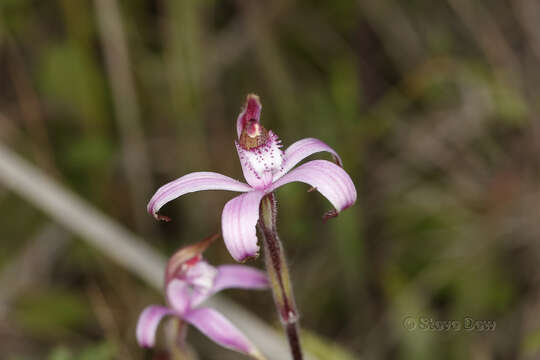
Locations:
{"points": [[266, 167], [189, 283]]}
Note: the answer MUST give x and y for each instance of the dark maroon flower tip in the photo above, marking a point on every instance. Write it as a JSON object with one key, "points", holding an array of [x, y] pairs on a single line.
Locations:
{"points": [[329, 215], [248, 257], [163, 218], [250, 113]]}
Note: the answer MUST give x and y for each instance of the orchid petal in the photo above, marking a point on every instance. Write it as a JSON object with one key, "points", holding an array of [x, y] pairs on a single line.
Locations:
{"points": [[240, 215], [220, 330], [239, 276], [148, 324], [301, 150], [327, 178], [179, 295], [251, 111], [233, 276], [190, 183]]}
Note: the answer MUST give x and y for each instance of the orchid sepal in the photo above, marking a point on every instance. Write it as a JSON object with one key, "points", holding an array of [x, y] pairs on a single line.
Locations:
{"points": [[222, 331], [300, 150], [193, 182], [327, 178]]}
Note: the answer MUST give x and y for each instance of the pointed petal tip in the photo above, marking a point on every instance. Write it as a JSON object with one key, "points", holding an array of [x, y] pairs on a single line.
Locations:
{"points": [[337, 160], [248, 257], [329, 215], [162, 218], [244, 257]]}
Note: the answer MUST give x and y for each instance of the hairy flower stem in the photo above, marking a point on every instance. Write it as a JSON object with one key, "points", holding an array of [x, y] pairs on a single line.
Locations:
{"points": [[278, 273]]}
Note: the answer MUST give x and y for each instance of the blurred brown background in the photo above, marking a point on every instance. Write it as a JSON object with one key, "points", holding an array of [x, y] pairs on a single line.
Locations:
{"points": [[433, 107]]}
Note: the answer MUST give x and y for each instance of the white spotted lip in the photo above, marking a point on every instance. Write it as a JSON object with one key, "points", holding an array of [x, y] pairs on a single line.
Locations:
{"points": [[260, 163]]}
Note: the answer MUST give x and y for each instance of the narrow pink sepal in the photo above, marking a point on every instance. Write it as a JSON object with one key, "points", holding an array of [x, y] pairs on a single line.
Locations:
{"points": [[252, 111], [190, 183], [219, 329], [239, 276], [148, 324], [178, 295], [301, 150], [238, 221], [327, 178]]}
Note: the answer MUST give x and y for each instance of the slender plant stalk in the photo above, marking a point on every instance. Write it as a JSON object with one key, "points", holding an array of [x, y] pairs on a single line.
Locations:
{"points": [[278, 273], [180, 348]]}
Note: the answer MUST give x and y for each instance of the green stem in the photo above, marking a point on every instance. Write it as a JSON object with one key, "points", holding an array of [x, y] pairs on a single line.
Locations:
{"points": [[278, 273], [180, 349]]}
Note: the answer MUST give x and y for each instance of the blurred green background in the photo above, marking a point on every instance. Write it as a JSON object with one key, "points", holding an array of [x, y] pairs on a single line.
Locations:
{"points": [[433, 106]]}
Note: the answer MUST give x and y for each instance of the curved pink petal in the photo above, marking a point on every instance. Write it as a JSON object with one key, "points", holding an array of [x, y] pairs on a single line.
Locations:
{"points": [[148, 324], [233, 276], [178, 295], [190, 183], [240, 277], [219, 329], [240, 215], [301, 150], [252, 111], [327, 178]]}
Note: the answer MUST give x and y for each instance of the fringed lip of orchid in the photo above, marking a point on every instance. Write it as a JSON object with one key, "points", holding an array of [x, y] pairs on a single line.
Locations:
{"points": [[265, 167], [193, 281]]}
